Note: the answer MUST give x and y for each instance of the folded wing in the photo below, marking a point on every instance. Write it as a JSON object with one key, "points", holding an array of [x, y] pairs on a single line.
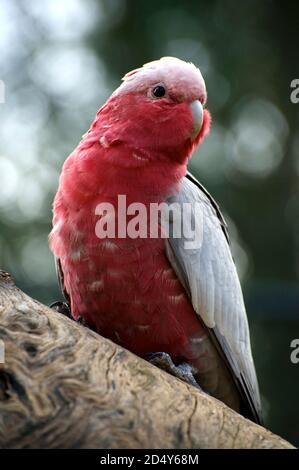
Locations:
{"points": [[208, 273]]}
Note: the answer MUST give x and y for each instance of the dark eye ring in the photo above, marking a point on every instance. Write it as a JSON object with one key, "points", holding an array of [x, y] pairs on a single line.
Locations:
{"points": [[159, 91]]}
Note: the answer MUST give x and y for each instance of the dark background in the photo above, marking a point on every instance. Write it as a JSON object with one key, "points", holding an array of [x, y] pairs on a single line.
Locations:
{"points": [[61, 60]]}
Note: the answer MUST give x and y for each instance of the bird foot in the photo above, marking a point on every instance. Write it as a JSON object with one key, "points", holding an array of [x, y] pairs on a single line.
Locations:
{"points": [[62, 307], [182, 371], [65, 309]]}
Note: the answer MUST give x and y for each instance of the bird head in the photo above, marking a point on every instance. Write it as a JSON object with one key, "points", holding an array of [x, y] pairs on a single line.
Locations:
{"points": [[158, 110]]}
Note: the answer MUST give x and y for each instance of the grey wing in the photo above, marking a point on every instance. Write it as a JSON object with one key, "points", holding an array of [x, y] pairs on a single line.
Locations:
{"points": [[60, 277], [208, 273]]}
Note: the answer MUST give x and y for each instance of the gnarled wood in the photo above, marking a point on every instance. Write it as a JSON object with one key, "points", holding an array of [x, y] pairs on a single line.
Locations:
{"points": [[64, 386]]}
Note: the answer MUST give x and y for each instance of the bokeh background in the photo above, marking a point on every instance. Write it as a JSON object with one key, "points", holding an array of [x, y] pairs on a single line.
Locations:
{"points": [[60, 60]]}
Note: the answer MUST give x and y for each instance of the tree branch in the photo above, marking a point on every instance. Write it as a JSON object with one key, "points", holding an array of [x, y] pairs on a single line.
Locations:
{"points": [[64, 386]]}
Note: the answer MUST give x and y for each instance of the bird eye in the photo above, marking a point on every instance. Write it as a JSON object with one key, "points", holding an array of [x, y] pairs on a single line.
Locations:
{"points": [[159, 91]]}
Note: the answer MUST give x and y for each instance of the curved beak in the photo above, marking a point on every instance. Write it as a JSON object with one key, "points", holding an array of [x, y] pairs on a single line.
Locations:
{"points": [[197, 113]]}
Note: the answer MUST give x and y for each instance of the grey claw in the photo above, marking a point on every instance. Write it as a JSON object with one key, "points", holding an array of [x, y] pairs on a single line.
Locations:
{"points": [[183, 371], [62, 307]]}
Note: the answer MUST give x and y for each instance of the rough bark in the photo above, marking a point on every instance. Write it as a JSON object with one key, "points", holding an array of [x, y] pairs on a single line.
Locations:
{"points": [[64, 386]]}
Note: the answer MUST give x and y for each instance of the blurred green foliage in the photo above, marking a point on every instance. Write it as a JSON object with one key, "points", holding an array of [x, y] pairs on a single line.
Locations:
{"points": [[61, 60]]}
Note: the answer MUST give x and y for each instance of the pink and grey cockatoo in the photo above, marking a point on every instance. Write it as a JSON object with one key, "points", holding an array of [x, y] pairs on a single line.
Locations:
{"points": [[153, 295]]}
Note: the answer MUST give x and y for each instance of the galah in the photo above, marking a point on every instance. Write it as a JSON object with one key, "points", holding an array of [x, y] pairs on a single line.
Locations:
{"points": [[180, 307]]}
